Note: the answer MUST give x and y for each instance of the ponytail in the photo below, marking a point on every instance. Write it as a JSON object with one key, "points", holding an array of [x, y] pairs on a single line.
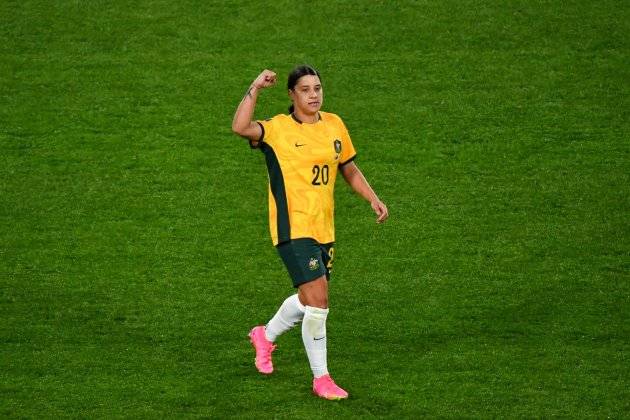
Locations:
{"points": [[291, 109]]}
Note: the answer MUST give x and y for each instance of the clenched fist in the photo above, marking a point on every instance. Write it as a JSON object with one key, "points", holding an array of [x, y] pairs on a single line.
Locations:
{"points": [[265, 79]]}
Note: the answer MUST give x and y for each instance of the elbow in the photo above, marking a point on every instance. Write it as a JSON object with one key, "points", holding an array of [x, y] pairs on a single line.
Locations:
{"points": [[236, 129], [348, 170]]}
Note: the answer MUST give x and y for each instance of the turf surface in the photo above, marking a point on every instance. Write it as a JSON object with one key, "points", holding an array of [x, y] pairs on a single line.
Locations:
{"points": [[134, 251]]}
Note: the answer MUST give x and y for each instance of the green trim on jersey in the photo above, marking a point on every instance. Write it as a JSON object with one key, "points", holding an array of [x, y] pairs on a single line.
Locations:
{"points": [[276, 183]]}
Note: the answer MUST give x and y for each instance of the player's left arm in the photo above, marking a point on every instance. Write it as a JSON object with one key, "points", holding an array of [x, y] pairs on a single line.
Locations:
{"points": [[354, 177]]}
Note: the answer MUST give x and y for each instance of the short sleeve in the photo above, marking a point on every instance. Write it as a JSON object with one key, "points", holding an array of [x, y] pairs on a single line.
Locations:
{"points": [[347, 148], [266, 127]]}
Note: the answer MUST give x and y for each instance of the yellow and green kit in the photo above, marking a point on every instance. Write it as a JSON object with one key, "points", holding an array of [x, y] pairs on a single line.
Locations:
{"points": [[302, 161]]}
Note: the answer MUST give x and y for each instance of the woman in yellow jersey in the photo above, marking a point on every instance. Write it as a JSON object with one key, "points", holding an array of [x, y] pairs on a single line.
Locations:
{"points": [[303, 150]]}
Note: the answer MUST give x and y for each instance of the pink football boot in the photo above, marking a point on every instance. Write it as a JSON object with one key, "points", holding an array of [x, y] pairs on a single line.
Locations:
{"points": [[263, 349], [325, 387]]}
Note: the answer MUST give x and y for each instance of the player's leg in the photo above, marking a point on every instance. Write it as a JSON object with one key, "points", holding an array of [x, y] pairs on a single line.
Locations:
{"points": [[296, 255], [309, 266], [262, 337], [289, 314], [314, 296], [291, 311], [314, 293]]}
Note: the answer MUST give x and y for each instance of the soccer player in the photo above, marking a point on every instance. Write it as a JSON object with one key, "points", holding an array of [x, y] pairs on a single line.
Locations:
{"points": [[303, 150]]}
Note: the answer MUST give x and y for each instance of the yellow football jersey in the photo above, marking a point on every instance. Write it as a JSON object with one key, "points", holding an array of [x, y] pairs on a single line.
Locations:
{"points": [[302, 161]]}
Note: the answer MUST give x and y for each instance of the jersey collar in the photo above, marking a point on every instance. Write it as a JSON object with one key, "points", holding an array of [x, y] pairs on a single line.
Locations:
{"points": [[319, 115]]}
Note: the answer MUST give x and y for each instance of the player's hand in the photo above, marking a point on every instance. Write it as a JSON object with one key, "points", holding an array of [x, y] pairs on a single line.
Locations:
{"points": [[381, 210], [265, 79]]}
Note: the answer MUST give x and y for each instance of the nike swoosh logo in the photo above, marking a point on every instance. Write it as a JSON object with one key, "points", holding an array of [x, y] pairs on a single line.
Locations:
{"points": [[299, 145], [320, 338]]}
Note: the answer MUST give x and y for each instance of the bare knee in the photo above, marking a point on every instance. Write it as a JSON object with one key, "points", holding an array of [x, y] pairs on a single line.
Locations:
{"points": [[314, 293], [317, 302]]}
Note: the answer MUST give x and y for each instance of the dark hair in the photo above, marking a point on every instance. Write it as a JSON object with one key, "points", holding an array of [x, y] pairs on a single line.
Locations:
{"points": [[295, 75]]}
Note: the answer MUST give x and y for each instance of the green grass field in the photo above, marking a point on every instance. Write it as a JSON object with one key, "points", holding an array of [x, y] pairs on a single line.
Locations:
{"points": [[134, 247]]}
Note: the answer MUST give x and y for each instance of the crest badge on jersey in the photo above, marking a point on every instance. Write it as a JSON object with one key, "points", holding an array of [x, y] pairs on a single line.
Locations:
{"points": [[338, 146], [313, 264]]}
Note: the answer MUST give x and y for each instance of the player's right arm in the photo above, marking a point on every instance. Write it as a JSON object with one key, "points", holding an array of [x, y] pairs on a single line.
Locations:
{"points": [[242, 124]]}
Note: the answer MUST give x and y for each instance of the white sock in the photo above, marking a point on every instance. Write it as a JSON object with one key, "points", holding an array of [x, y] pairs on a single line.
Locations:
{"points": [[314, 338], [290, 313]]}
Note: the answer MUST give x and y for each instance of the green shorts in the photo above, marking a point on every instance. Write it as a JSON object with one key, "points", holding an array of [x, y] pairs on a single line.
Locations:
{"points": [[306, 259]]}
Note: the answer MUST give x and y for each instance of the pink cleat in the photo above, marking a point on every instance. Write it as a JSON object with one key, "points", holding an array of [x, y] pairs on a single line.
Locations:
{"points": [[263, 349], [325, 387]]}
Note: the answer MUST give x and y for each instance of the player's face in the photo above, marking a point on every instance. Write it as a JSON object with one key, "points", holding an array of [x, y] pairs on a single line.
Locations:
{"points": [[307, 95]]}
